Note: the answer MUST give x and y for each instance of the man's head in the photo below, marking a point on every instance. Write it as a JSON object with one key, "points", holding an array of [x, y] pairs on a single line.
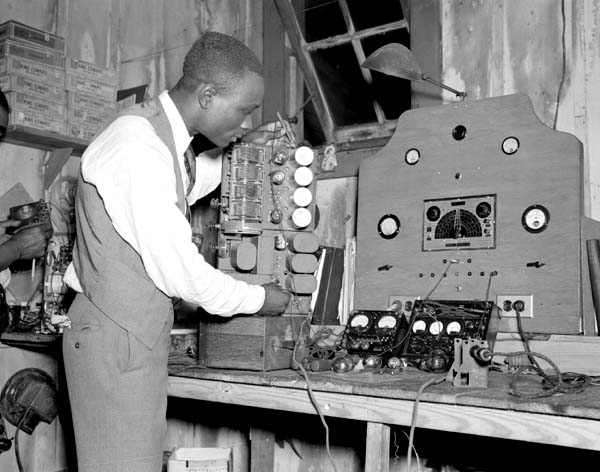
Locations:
{"points": [[221, 85], [4, 112]]}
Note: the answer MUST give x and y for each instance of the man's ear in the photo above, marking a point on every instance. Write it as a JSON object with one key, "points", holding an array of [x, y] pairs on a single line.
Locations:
{"points": [[205, 94]]}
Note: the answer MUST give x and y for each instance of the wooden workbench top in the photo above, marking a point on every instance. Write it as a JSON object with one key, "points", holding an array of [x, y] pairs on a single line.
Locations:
{"points": [[404, 386]]}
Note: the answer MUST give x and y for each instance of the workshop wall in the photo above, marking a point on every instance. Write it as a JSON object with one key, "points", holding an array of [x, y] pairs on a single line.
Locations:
{"points": [[547, 49]]}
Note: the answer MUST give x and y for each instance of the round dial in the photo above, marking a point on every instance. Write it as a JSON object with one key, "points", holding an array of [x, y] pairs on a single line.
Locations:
{"points": [[359, 321], [278, 177], [387, 321], [412, 156], [280, 156], [453, 328], [436, 327], [388, 226], [510, 145], [535, 219], [433, 213], [483, 210], [419, 327]]}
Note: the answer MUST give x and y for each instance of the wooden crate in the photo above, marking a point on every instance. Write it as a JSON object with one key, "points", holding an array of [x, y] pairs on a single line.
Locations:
{"points": [[249, 342]]}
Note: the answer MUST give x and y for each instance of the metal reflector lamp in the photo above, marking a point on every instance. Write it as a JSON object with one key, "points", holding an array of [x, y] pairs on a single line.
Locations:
{"points": [[28, 397], [397, 60]]}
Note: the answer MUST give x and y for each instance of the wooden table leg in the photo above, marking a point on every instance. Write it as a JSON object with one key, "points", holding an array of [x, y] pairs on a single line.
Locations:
{"points": [[262, 450], [378, 448]]}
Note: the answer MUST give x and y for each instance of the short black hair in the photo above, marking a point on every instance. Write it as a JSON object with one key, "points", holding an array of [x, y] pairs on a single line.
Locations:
{"points": [[218, 59], [4, 102]]}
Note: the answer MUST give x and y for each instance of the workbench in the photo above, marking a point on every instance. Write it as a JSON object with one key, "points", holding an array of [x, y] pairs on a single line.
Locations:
{"points": [[384, 400]]}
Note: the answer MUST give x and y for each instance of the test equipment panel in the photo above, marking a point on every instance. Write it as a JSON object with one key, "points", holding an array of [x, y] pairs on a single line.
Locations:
{"points": [[267, 217], [478, 200]]}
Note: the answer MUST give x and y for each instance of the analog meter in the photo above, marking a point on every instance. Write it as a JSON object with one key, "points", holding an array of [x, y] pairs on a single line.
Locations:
{"points": [[436, 327], [360, 321], [387, 322], [412, 156], [535, 219], [388, 226], [510, 145]]}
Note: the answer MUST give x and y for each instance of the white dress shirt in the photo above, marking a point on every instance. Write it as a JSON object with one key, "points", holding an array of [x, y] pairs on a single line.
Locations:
{"points": [[132, 170], [5, 277]]}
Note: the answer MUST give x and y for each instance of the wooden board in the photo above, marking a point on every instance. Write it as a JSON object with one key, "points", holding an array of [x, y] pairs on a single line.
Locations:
{"points": [[546, 170]]}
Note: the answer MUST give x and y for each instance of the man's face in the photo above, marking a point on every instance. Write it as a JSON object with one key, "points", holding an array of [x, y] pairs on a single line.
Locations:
{"points": [[226, 113]]}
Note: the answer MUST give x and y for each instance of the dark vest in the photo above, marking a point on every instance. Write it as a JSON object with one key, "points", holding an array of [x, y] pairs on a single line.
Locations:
{"points": [[110, 271]]}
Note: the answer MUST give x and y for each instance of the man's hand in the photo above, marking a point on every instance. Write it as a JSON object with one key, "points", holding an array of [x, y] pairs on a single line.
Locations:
{"points": [[276, 300], [9, 224], [31, 242], [274, 132]]}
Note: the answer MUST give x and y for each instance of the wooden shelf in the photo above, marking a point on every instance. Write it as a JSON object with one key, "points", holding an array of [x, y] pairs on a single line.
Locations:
{"points": [[36, 341], [35, 138]]}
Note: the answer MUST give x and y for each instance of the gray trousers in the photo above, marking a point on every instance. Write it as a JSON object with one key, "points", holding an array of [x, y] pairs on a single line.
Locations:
{"points": [[118, 392]]}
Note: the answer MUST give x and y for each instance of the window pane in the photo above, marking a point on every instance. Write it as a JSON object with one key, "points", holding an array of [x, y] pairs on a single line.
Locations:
{"points": [[366, 14], [313, 133], [323, 18], [345, 89], [392, 93]]}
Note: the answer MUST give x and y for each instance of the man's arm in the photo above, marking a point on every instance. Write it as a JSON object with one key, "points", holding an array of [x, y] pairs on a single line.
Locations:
{"points": [[28, 243]]}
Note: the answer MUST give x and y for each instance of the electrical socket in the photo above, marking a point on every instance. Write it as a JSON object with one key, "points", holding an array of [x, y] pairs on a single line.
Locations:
{"points": [[403, 299], [507, 301]]}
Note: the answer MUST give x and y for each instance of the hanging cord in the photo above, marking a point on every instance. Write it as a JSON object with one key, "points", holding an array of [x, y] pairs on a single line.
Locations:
{"points": [[296, 302], [568, 382], [413, 421]]}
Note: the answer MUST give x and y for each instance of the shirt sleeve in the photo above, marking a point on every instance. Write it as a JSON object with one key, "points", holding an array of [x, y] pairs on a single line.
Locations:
{"points": [[133, 172], [5, 277]]}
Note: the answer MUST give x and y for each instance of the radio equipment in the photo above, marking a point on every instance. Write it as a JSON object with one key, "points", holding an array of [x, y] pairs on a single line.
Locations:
{"points": [[477, 200], [436, 324], [265, 234], [29, 214], [375, 333]]}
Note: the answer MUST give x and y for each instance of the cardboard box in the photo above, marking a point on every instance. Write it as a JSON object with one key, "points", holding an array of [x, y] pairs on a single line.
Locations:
{"points": [[49, 57], [258, 343], [31, 104], [33, 36], [19, 83], [200, 459], [78, 130], [91, 71], [89, 101], [38, 121], [32, 70], [79, 83]]}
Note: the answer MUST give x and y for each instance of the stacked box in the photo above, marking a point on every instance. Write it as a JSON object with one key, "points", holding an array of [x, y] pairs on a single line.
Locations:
{"points": [[32, 74], [27, 34], [91, 97]]}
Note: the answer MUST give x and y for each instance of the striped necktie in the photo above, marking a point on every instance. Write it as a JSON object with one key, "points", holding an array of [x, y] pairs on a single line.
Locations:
{"points": [[190, 168]]}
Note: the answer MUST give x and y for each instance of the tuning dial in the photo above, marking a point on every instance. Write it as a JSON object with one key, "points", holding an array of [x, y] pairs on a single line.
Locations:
{"points": [[278, 177]]}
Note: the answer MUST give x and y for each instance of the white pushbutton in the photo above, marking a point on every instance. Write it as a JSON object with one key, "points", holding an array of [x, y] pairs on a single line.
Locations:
{"points": [[301, 217], [302, 197], [304, 156], [303, 176]]}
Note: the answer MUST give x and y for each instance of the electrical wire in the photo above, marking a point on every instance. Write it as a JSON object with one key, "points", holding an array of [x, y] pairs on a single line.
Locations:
{"points": [[564, 61], [306, 319], [413, 421], [569, 382]]}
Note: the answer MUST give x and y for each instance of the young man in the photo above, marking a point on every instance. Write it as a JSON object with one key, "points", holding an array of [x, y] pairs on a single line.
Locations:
{"points": [[29, 243], [134, 253]]}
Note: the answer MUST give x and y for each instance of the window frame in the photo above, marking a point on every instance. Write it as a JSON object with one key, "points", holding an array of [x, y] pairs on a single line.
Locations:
{"points": [[383, 128]]}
